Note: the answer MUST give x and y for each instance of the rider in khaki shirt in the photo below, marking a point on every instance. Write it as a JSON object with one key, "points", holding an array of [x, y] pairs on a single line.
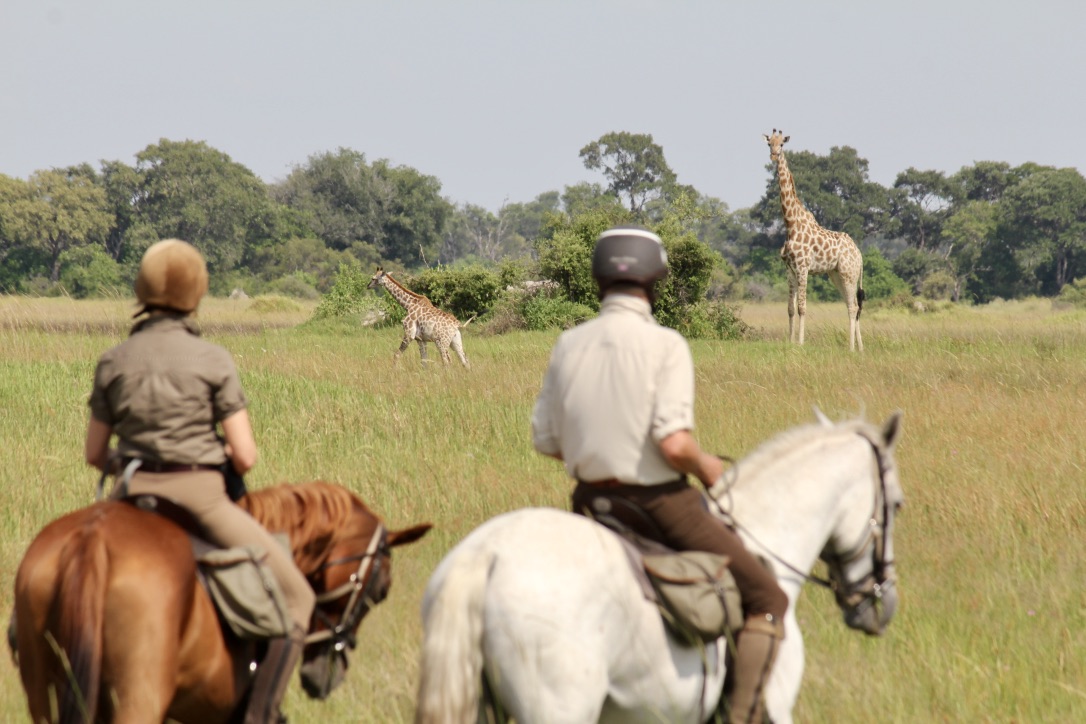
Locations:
{"points": [[617, 408], [162, 392]]}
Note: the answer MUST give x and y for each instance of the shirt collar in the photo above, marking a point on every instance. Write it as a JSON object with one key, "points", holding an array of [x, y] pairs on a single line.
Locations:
{"points": [[166, 321], [619, 302]]}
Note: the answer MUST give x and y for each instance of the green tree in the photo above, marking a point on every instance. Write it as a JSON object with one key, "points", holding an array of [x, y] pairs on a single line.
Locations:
{"points": [[586, 197], [191, 191], [412, 213], [378, 213], [921, 205], [634, 166], [966, 233], [1043, 217], [53, 212]]}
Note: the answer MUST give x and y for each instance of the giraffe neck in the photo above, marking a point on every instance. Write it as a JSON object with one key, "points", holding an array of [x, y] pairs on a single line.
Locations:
{"points": [[400, 293], [792, 208]]}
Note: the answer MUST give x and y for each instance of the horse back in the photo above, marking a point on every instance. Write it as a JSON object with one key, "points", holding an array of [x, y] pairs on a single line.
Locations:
{"points": [[112, 586]]}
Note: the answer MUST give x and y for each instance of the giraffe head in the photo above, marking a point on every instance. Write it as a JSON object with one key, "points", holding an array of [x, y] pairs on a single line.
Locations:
{"points": [[375, 280], [776, 143]]}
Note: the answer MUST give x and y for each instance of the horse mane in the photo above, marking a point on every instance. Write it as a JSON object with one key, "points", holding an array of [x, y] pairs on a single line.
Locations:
{"points": [[781, 445], [312, 514]]}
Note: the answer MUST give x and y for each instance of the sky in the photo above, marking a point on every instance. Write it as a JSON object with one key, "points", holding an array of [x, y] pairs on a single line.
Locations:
{"points": [[496, 98]]}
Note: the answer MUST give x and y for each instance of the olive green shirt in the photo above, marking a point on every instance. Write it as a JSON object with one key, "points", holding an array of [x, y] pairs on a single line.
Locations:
{"points": [[164, 389], [616, 386]]}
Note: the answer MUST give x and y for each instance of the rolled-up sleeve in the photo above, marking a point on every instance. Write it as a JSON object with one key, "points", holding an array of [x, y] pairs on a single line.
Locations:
{"points": [[99, 400], [674, 410], [544, 432]]}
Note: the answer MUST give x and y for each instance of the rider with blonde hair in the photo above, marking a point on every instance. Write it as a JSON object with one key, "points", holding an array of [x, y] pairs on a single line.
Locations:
{"points": [[617, 407], [164, 392]]}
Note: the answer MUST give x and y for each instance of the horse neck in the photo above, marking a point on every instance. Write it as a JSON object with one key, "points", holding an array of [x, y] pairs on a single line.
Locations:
{"points": [[288, 509], [789, 499]]}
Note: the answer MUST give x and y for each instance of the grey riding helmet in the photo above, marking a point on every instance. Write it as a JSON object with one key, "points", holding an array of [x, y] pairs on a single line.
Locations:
{"points": [[629, 254]]}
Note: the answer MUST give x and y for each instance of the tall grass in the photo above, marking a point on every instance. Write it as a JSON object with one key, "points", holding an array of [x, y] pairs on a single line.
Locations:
{"points": [[990, 544]]}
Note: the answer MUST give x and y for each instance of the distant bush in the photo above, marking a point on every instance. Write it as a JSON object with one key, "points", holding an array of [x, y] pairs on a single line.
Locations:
{"points": [[712, 319], [1074, 293], [88, 271], [463, 291], [350, 297]]}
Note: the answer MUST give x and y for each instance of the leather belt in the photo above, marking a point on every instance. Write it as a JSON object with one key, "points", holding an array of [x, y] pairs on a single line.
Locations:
{"points": [[614, 483], [608, 483], [154, 466]]}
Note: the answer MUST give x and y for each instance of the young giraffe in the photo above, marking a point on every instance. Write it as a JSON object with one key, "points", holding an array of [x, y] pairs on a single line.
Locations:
{"points": [[424, 322], [811, 249]]}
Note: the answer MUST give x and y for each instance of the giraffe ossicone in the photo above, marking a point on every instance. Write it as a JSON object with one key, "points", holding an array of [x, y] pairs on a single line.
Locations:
{"points": [[424, 322], [812, 249]]}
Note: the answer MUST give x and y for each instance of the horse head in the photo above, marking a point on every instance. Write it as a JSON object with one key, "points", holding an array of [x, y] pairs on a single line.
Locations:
{"points": [[862, 573], [345, 551]]}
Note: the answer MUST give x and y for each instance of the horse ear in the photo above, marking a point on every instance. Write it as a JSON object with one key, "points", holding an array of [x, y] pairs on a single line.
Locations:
{"points": [[408, 535], [891, 429]]}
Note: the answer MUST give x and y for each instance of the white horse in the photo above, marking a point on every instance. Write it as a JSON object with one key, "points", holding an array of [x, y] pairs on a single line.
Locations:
{"points": [[543, 606]]}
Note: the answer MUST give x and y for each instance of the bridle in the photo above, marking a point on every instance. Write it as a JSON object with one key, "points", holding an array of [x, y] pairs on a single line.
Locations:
{"points": [[860, 594], [869, 590], [358, 589]]}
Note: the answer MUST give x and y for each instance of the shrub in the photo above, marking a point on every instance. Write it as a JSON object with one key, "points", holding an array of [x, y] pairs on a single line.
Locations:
{"points": [[1074, 293], [712, 319], [349, 296], [937, 285], [88, 271], [464, 291]]}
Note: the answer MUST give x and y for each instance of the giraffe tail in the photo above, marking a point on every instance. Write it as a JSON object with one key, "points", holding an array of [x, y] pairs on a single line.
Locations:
{"points": [[860, 295], [464, 324]]}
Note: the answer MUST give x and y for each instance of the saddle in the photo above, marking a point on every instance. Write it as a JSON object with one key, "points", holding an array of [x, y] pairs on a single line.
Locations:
{"points": [[694, 590], [246, 594]]}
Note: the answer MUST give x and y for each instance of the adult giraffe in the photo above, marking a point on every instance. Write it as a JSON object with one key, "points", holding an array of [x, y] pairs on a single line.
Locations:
{"points": [[812, 249]]}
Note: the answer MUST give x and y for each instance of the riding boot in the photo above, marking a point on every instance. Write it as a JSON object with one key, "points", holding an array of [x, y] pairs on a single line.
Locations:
{"points": [[755, 652], [273, 677]]}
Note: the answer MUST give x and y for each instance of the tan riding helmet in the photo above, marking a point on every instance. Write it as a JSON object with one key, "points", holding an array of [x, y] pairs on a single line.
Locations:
{"points": [[172, 275]]}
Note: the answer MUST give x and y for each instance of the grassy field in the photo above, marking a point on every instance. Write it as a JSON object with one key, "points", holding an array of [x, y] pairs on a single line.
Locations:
{"points": [[991, 554]]}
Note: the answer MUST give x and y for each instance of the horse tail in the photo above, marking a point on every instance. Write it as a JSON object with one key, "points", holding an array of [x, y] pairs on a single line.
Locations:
{"points": [[79, 610], [451, 667]]}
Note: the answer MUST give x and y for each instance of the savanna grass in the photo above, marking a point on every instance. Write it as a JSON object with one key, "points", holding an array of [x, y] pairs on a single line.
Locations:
{"points": [[989, 546]]}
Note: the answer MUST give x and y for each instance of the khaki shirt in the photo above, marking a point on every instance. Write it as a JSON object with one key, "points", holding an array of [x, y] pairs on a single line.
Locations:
{"points": [[615, 387], [163, 390]]}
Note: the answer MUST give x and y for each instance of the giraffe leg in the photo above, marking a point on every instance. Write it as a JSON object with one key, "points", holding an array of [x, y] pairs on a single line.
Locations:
{"points": [[848, 291], [422, 348], [458, 347], [443, 348], [403, 345], [801, 300], [793, 286]]}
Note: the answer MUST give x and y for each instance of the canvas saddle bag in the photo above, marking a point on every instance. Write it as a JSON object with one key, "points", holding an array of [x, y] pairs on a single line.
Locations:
{"points": [[241, 585], [694, 590]]}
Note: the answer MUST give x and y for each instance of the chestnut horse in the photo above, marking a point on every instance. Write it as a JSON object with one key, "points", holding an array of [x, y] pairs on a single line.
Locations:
{"points": [[112, 624]]}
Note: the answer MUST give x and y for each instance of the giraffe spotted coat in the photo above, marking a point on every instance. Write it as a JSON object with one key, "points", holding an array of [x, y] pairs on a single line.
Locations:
{"points": [[811, 249], [423, 322]]}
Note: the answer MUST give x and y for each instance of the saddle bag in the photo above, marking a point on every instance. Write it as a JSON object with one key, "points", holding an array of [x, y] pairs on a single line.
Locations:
{"points": [[697, 593], [245, 592]]}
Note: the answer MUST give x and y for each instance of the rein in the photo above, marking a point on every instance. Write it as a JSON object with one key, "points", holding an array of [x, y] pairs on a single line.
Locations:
{"points": [[876, 529], [357, 588]]}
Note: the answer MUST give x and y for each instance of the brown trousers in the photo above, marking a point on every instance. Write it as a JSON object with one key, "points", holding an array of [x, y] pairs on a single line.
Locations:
{"points": [[677, 515], [203, 493]]}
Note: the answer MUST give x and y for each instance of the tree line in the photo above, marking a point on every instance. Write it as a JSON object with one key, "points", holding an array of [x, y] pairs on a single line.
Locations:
{"points": [[988, 231]]}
